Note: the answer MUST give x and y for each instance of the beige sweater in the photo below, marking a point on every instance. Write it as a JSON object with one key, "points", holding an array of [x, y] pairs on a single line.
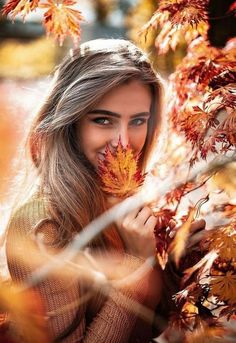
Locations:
{"points": [[101, 319]]}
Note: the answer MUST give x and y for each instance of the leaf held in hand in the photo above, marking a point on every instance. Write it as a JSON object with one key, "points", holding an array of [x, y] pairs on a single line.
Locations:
{"points": [[119, 172]]}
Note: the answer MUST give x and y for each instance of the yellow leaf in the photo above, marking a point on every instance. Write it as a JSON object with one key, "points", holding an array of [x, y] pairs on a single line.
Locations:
{"points": [[189, 308], [224, 287], [22, 7], [224, 241], [119, 172], [179, 242], [62, 20]]}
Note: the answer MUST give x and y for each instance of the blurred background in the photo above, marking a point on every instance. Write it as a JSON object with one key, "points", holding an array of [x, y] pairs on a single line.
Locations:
{"points": [[28, 58]]}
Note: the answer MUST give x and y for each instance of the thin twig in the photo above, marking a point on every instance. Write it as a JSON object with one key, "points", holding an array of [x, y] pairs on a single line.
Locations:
{"points": [[113, 214]]}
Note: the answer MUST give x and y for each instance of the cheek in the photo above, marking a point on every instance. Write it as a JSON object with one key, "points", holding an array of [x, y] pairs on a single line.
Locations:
{"points": [[138, 139], [87, 137]]}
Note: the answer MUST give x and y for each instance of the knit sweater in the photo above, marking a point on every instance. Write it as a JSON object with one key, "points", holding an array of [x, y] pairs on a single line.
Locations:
{"points": [[103, 318]]}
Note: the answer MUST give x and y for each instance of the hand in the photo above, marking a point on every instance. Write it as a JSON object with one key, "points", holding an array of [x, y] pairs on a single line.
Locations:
{"points": [[137, 231]]}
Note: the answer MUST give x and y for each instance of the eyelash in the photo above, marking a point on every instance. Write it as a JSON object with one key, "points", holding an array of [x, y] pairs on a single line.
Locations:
{"points": [[101, 120], [140, 120]]}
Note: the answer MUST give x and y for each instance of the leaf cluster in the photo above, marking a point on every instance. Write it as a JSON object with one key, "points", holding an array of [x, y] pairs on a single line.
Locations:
{"points": [[59, 19]]}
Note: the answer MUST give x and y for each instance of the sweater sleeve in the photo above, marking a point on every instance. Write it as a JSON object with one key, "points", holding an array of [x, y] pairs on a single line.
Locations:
{"points": [[128, 313], [114, 318], [59, 294]]}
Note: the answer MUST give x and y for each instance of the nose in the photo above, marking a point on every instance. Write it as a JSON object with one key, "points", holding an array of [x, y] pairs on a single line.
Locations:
{"points": [[123, 135]]}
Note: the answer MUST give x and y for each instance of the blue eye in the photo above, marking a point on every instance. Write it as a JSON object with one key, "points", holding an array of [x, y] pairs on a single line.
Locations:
{"points": [[138, 121], [101, 121]]}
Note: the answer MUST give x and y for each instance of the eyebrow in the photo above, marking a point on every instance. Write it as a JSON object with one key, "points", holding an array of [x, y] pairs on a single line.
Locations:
{"points": [[117, 115]]}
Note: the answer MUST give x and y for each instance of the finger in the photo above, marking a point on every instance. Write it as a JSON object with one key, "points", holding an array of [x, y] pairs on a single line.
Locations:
{"points": [[128, 218], [151, 223], [197, 225], [133, 214], [144, 215]]}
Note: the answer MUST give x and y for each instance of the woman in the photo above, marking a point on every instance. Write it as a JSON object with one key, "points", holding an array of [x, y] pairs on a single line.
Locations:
{"points": [[104, 91]]}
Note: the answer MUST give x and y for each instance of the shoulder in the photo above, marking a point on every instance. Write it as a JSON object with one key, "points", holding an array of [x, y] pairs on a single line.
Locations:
{"points": [[26, 217], [29, 220]]}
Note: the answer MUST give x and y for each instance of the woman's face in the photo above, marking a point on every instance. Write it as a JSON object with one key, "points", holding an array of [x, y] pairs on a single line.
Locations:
{"points": [[123, 112]]}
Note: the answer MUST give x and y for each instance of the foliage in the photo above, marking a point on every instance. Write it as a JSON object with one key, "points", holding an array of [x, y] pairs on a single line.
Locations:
{"points": [[202, 106], [137, 17], [60, 18], [204, 101], [22, 315]]}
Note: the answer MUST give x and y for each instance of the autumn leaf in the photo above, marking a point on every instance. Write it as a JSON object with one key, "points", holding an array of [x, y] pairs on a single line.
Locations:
{"points": [[176, 194], [189, 308], [26, 311], [193, 292], [223, 79], [189, 315], [223, 240], [202, 88], [62, 20], [177, 247], [162, 232], [22, 7], [119, 172], [178, 19], [224, 287]]}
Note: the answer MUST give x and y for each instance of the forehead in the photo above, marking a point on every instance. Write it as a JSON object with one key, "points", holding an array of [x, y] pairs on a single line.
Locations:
{"points": [[132, 96]]}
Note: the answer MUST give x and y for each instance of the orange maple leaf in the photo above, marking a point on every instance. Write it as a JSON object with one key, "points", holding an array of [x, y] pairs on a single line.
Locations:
{"points": [[62, 20], [22, 7], [178, 19], [178, 245], [224, 287], [224, 240], [119, 172]]}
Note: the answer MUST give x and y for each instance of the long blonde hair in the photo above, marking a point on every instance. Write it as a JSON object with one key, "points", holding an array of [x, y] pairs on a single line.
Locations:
{"points": [[67, 179]]}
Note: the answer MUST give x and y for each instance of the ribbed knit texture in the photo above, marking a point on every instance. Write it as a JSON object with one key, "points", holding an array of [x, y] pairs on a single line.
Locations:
{"points": [[101, 319]]}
